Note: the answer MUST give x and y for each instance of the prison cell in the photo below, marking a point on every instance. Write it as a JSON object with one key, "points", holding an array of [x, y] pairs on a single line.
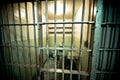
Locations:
{"points": [[59, 40]]}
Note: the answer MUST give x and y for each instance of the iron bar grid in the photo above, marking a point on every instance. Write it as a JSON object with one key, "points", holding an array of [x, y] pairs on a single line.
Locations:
{"points": [[39, 25]]}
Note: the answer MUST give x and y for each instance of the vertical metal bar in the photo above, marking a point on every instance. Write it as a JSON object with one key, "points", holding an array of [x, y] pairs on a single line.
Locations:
{"points": [[40, 42], [63, 54], [117, 44], [37, 10], [15, 39], [28, 39], [4, 54], [21, 36], [55, 61], [72, 39], [115, 38], [36, 58], [93, 2], [9, 42], [1, 47], [90, 33], [97, 38], [93, 26], [48, 64], [81, 37], [3, 43], [93, 10], [89, 26]]}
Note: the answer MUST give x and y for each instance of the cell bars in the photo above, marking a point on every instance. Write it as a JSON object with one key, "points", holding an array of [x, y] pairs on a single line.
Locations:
{"points": [[39, 41], [107, 46]]}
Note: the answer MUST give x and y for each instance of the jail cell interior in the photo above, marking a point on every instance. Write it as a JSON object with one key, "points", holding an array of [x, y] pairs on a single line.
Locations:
{"points": [[59, 40]]}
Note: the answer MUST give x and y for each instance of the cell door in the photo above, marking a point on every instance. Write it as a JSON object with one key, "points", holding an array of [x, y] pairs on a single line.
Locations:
{"points": [[106, 57], [68, 27], [47, 39]]}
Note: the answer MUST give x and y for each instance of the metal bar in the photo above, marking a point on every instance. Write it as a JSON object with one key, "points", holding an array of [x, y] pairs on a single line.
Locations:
{"points": [[48, 62], [51, 48], [40, 38], [90, 34], [17, 24], [28, 39], [72, 40], [80, 22], [21, 36], [89, 18], [1, 61], [63, 43], [1, 50], [55, 61], [4, 50], [112, 49], [15, 39], [109, 23], [81, 37], [20, 65], [44, 23], [39, 26], [67, 71], [106, 72], [93, 6], [8, 30], [35, 44]]}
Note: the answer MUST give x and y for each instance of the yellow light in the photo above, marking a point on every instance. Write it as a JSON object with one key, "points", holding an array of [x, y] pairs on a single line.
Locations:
{"points": [[22, 14], [59, 8]]}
